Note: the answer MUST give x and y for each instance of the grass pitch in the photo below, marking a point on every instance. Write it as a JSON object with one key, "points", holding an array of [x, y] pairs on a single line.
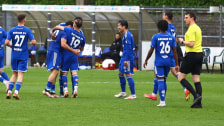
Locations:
{"points": [[96, 105]]}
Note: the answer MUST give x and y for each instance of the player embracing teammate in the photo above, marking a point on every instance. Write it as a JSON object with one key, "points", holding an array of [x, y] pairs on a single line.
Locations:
{"points": [[73, 41]]}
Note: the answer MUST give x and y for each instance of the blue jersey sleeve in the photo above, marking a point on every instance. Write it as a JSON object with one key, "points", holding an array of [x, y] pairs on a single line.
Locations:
{"points": [[174, 44], [4, 34], [171, 30], [153, 42], [9, 37], [68, 29], [30, 35], [130, 45], [63, 35], [84, 42]]}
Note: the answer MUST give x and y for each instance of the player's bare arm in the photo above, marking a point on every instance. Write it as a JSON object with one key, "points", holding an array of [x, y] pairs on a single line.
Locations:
{"points": [[81, 48], [33, 42], [7, 43], [67, 47], [53, 36], [148, 56], [176, 59]]}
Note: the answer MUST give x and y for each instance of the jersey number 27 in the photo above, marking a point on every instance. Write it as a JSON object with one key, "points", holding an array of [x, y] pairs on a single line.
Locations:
{"points": [[18, 41]]}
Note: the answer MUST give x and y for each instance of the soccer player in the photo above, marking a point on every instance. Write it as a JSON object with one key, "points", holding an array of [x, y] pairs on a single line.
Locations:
{"points": [[193, 59], [171, 30], [126, 62], [3, 76], [19, 57], [163, 43], [74, 42], [54, 61]]}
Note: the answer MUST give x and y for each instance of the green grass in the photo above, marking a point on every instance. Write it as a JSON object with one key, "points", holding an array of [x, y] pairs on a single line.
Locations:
{"points": [[96, 105]]}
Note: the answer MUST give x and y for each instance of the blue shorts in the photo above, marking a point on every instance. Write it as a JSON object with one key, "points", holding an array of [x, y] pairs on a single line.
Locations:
{"points": [[19, 65], [69, 63], [162, 71], [173, 63], [1, 62], [124, 69], [53, 60]]}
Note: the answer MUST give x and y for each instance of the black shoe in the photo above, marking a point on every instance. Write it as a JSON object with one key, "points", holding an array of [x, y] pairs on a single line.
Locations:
{"points": [[197, 106], [196, 101]]}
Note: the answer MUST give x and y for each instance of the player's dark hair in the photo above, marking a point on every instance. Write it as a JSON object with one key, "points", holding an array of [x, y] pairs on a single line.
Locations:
{"points": [[169, 14], [191, 14], [69, 23], [119, 33], [21, 17], [78, 22], [162, 25], [123, 23]]}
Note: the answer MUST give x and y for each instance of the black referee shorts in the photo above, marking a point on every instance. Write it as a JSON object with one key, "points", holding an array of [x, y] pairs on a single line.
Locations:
{"points": [[192, 63]]}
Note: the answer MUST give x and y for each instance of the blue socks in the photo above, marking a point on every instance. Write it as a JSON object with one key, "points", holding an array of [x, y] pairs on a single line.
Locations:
{"points": [[53, 88], [2, 79], [18, 86], [122, 83], [162, 90], [5, 76], [131, 84], [61, 84], [155, 88], [64, 80], [49, 84], [11, 85], [75, 82]]}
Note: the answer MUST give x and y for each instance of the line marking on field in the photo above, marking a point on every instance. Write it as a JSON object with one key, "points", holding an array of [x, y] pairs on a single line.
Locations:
{"points": [[171, 82]]}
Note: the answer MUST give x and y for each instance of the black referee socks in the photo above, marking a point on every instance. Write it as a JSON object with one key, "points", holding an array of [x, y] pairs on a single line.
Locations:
{"points": [[186, 84]]}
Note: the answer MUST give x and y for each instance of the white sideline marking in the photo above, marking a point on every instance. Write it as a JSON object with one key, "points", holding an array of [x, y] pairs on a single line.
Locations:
{"points": [[149, 82]]}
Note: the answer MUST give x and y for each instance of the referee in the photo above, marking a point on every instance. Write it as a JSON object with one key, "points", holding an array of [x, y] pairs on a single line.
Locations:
{"points": [[192, 61]]}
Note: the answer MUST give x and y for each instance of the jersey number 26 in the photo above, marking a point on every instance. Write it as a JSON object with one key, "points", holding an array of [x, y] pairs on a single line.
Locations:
{"points": [[165, 47]]}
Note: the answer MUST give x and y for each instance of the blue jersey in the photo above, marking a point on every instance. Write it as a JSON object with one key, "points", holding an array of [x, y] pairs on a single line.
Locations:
{"points": [[3, 35], [163, 43], [171, 30], [56, 45], [19, 36], [128, 46], [75, 39], [61, 24]]}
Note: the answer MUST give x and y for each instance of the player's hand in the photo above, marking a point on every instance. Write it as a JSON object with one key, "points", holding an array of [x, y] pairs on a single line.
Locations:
{"points": [[125, 63], [180, 40], [145, 64], [76, 51], [53, 36], [177, 68]]}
